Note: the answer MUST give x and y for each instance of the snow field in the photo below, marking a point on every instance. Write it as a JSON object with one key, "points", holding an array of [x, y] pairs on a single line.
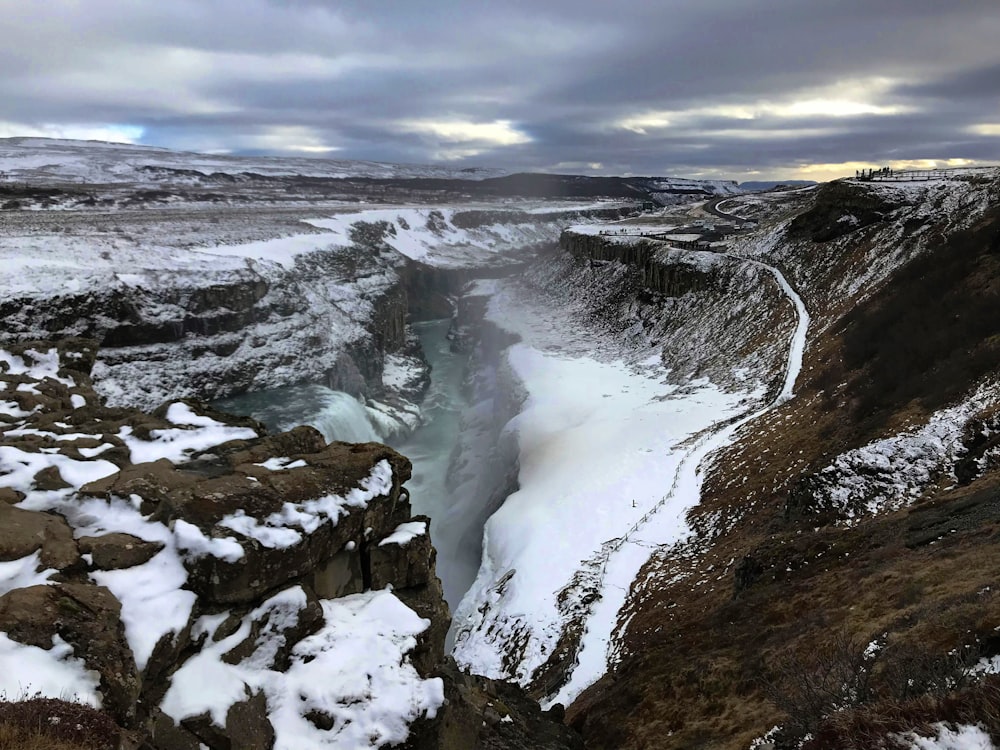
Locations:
{"points": [[109, 163], [430, 235], [598, 441], [892, 472]]}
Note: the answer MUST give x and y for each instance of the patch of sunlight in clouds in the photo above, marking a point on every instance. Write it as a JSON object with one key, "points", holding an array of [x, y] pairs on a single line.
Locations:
{"points": [[826, 172], [575, 166], [469, 138], [80, 132], [845, 99], [279, 139], [764, 134], [991, 129], [287, 138]]}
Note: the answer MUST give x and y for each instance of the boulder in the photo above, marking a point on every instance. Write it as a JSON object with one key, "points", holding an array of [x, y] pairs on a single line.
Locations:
{"points": [[403, 564], [300, 440], [264, 566], [49, 480], [114, 551], [247, 726], [153, 482], [23, 532], [166, 735], [428, 602], [10, 496], [275, 627]]}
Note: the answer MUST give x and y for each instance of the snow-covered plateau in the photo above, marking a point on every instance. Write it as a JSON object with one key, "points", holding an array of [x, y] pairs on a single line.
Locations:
{"points": [[230, 301]]}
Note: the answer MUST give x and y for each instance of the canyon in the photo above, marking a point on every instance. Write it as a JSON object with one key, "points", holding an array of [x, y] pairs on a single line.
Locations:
{"points": [[645, 437]]}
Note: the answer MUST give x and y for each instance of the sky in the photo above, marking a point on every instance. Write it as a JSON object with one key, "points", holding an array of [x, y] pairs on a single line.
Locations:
{"points": [[733, 89]]}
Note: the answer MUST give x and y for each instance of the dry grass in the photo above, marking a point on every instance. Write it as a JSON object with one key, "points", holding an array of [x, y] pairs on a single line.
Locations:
{"points": [[52, 724], [870, 726], [19, 738]]}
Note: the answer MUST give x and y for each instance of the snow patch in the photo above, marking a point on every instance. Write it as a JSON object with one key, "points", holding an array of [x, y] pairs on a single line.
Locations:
{"points": [[950, 737], [54, 672], [891, 473], [280, 463], [197, 433], [24, 572], [405, 533], [281, 529]]}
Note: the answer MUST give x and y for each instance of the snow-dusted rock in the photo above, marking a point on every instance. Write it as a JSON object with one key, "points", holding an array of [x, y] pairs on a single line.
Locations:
{"points": [[230, 590]]}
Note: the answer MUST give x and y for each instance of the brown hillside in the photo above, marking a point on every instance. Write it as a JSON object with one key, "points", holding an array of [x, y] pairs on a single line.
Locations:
{"points": [[723, 633]]}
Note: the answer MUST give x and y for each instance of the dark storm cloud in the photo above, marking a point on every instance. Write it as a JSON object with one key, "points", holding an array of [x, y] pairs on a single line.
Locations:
{"points": [[977, 85], [713, 87]]}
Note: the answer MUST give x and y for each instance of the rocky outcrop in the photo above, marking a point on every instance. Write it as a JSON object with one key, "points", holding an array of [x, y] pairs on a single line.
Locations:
{"points": [[88, 617], [187, 572], [332, 316], [704, 309], [662, 270], [242, 303], [840, 208]]}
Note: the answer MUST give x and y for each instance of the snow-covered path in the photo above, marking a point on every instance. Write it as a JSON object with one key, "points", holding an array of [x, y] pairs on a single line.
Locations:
{"points": [[625, 556]]}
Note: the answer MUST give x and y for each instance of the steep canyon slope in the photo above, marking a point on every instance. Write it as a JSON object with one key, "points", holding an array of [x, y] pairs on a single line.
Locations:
{"points": [[840, 580]]}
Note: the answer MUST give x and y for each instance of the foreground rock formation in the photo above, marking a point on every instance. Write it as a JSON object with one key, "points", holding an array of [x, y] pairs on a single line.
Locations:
{"points": [[208, 585]]}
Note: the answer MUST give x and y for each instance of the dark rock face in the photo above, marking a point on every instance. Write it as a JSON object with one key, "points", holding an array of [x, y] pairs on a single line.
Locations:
{"points": [[840, 208], [483, 714], [404, 563], [247, 727], [746, 573], [661, 275], [227, 332]]}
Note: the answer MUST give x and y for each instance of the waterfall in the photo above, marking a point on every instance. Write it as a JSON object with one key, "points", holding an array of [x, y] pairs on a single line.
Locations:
{"points": [[342, 417], [338, 415]]}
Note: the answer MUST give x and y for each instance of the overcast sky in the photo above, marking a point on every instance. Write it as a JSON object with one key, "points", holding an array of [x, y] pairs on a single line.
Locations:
{"points": [[741, 89]]}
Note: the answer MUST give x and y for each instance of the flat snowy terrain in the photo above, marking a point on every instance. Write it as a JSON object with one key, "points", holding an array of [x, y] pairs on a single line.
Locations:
{"points": [[94, 162]]}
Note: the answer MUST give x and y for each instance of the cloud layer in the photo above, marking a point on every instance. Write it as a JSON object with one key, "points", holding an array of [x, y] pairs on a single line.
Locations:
{"points": [[745, 90]]}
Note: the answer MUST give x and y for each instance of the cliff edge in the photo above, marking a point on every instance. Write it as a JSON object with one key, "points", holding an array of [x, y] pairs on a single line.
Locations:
{"points": [[205, 584]]}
